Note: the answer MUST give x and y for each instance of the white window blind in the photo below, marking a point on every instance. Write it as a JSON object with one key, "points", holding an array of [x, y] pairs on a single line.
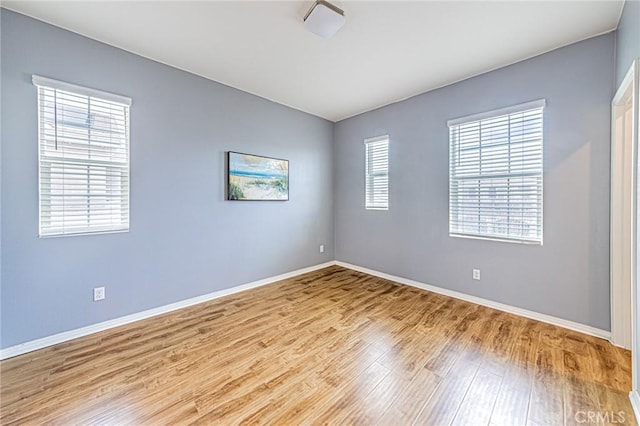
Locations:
{"points": [[495, 181], [377, 173], [83, 159]]}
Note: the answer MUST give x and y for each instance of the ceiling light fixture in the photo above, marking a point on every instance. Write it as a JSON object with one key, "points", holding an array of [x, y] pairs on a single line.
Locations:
{"points": [[324, 19]]}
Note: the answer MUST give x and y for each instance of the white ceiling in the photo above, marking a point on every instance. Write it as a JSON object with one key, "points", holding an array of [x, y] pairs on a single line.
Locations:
{"points": [[386, 51]]}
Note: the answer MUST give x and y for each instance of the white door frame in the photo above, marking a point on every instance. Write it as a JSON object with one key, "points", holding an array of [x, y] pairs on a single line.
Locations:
{"points": [[624, 217], [623, 210], [635, 288]]}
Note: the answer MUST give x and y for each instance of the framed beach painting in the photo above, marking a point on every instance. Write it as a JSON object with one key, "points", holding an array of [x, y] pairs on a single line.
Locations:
{"points": [[257, 178]]}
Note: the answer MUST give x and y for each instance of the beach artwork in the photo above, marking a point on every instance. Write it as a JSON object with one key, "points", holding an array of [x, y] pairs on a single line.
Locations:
{"points": [[252, 177]]}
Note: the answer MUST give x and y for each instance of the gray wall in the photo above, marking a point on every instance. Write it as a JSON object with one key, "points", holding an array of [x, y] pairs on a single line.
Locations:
{"points": [[568, 276], [627, 38], [185, 240]]}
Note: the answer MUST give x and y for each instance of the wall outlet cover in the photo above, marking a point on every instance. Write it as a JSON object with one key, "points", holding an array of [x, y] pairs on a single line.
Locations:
{"points": [[98, 294], [476, 274]]}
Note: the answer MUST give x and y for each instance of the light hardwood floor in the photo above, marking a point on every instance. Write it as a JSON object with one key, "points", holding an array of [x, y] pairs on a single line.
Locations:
{"points": [[330, 347]]}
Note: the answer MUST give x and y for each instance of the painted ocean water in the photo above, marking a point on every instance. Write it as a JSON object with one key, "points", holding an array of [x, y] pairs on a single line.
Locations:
{"points": [[252, 177]]}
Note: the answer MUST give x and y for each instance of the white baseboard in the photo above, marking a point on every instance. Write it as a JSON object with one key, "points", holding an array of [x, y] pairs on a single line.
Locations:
{"points": [[634, 396], [94, 328], [582, 328]]}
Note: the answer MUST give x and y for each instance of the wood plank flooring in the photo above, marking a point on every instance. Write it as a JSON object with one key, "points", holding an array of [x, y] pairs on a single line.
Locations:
{"points": [[329, 347]]}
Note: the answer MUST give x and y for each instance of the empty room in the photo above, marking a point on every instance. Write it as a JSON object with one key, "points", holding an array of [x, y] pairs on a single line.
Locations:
{"points": [[319, 212]]}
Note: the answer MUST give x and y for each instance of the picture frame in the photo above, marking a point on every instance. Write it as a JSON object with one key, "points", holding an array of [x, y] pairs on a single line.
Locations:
{"points": [[256, 178]]}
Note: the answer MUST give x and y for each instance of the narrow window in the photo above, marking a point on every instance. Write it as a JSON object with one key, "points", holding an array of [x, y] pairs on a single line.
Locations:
{"points": [[495, 180], [83, 139], [377, 173]]}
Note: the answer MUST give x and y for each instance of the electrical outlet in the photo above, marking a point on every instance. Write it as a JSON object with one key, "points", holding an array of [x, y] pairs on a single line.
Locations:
{"points": [[98, 294], [476, 274], [321, 248]]}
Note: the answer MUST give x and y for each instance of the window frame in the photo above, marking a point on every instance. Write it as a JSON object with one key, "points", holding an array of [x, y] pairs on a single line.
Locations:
{"points": [[539, 104], [369, 176], [124, 167]]}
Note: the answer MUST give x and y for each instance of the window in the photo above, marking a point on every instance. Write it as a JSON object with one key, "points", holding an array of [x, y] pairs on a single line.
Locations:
{"points": [[377, 173], [83, 139], [495, 181]]}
